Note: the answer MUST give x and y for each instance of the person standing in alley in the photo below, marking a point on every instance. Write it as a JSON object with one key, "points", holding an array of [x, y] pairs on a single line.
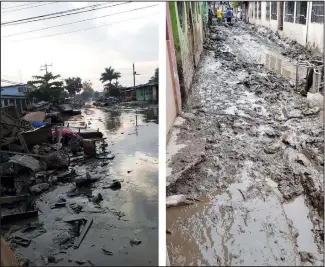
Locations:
{"points": [[219, 15], [229, 15]]}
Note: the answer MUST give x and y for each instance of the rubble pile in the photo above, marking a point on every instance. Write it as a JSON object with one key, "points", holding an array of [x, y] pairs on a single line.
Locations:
{"points": [[106, 101], [36, 154]]}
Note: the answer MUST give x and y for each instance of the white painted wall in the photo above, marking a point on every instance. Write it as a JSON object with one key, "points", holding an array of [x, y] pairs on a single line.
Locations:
{"points": [[295, 31], [310, 35]]}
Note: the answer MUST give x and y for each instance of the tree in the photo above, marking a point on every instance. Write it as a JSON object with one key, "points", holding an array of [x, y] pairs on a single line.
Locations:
{"points": [[117, 75], [88, 91], [65, 94], [112, 90], [235, 4], [87, 86], [108, 75], [155, 78], [46, 88], [73, 85]]}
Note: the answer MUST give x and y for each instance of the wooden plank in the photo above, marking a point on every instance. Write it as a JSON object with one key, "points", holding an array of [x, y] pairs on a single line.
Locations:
{"points": [[21, 153], [11, 199], [83, 234], [18, 216], [23, 143]]}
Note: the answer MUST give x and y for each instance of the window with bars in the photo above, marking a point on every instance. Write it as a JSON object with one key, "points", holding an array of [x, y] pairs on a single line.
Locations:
{"points": [[267, 10], [289, 11], [259, 10], [274, 10], [317, 12], [255, 10], [301, 12]]}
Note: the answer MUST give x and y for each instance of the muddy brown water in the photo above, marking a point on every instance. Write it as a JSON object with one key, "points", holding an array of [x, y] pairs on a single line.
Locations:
{"points": [[243, 218], [132, 136]]}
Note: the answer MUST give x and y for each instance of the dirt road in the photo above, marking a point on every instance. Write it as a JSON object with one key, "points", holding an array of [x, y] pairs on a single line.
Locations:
{"points": [[252, 151]]}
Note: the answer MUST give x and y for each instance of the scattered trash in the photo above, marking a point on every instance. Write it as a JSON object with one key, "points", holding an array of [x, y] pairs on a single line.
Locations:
{"points": [[135, 242], [83, 234], [115, 185], [39, 188], [175, 200], [81, 181], [107, 252], [98, 198], [21, 241], [80, 262], [26, 161]]}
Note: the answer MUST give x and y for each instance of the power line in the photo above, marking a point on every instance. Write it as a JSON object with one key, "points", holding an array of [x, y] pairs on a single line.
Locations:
{"points": [[28, 4], [48, 16], [85, 29], [29, 7], [55, 26]]}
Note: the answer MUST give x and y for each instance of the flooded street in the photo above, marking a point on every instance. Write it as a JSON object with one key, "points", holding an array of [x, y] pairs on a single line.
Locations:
{"points": [[258, 171], [129, 213]]}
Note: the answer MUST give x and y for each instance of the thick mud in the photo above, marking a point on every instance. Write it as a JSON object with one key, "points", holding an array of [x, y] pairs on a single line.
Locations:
{"points": [[260, 179], [123, 215]]}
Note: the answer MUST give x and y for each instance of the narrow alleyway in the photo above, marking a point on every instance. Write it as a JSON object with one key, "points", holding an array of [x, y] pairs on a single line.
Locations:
{"points": [[252, 151]]}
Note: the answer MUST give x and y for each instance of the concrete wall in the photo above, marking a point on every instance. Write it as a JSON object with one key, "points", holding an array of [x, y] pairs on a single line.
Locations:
{"points": [[171, 111], [309, 34], [188, 40], [173, 92]]}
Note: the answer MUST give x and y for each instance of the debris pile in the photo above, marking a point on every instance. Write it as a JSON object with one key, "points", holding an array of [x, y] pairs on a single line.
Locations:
{"points": [[36, 155], [106, 101]]}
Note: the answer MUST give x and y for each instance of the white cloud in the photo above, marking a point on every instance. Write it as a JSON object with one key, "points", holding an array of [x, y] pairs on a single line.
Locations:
{"points": [[84, 53]]}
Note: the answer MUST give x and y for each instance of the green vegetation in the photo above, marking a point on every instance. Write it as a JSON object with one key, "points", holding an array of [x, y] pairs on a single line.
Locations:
{"points": [[47, 88], [73, 85], [155, 77], [235, 4]]}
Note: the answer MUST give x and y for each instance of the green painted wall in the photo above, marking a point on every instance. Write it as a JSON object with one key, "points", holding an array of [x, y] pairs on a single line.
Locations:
{"points": [[173, 17], [139, 94]]}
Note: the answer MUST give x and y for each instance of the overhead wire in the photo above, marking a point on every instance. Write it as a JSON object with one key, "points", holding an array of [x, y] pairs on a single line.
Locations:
{"points": [[60, 14], [69, 23], [29, 7], [28, 4], [85, 29]]}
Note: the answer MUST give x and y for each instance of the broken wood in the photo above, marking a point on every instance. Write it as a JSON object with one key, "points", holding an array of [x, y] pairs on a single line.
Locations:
{"points": [[12, 199], [242, 194], [18, 216], [22, 153], [83, 234], [23, 143]]}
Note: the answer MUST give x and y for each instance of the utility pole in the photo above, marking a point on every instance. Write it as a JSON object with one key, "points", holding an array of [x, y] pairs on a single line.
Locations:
{"points": [[134, 72], [44, 67]]}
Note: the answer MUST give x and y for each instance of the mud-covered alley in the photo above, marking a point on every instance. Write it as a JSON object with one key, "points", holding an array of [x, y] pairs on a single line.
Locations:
{"points": [[247, 154]]}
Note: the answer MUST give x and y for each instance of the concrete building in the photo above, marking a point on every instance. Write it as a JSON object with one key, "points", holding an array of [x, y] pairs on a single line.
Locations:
{"points": [[301, 21], [142, 92], [188, 33], [15, 95], [187, 26]]}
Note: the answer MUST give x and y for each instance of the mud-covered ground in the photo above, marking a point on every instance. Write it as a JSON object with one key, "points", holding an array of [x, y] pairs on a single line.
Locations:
{"points": [[124, 215], [252, 152]]}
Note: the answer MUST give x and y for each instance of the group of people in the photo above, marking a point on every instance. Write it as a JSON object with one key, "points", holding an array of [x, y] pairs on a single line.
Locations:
{"points": [[228, 14]]}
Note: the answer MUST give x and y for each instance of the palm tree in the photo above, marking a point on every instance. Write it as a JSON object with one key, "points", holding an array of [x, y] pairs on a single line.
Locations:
{"points": [[108, 75], [117, 75]]}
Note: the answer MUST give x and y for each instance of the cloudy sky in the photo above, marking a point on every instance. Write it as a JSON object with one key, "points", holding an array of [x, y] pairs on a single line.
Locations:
{"points": [[117, 41]]}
